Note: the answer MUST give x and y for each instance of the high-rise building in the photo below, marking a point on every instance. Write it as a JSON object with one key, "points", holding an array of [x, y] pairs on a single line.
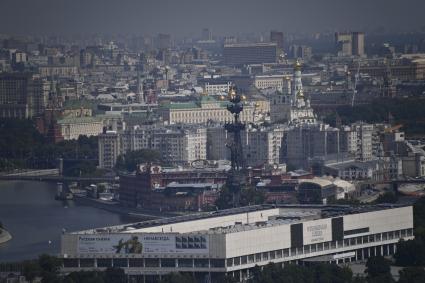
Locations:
{"points": [[206, 34], [109, 149], [164, 41], [277, 37], [358, 43], [350, 43], [306, 141], [249, 53], [364, 140], [181, 146], [301, 51], [22, 95], [262, 146]]}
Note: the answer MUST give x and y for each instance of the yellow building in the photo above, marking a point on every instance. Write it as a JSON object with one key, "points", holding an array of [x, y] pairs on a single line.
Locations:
{"points": [[202, 111]]}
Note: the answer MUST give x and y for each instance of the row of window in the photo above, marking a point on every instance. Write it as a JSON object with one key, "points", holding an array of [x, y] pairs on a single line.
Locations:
{"points": [[307, 249], [144, 262]]}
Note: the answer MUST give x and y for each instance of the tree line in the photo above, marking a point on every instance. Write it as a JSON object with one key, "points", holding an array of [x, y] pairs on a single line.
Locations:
{"points": [[22, 146], [406, 111]]}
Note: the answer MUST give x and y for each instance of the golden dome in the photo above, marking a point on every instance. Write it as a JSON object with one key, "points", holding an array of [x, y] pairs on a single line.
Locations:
{"points": [[243, 97], [257, 104], [297, 65], [232, 93], [300, 94]]}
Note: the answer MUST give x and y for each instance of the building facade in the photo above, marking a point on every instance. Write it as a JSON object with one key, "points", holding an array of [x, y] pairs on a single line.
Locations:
{"points": [[206, 109], [72, 128], [109, 149], [22, 96], [249, 53], [350, 43], [234, 241]]}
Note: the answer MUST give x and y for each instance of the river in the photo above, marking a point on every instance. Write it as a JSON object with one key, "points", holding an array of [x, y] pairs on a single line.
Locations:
{"points": [[35, 219]]}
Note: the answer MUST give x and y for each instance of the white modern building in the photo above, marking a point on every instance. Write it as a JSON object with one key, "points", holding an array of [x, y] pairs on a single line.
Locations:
{"points": [[234, 241]]}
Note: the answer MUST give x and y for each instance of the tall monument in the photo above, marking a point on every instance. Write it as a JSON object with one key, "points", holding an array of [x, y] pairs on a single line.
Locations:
{"points": [[236, 178]]}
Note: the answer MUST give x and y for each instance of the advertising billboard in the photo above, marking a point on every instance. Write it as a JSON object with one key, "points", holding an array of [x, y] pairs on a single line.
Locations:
{"points": [[142, 244], [317, 231]]}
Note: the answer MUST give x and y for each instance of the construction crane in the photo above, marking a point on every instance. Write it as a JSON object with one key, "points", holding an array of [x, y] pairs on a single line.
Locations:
{"points": [[356, 78]]}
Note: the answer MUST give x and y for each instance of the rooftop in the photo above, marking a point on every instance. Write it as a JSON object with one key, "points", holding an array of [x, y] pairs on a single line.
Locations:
{"points": [[219, 222]]}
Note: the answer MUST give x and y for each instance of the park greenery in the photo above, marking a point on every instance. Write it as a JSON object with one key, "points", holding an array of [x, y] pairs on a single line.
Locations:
{"points": [[46, 269], [22, 146], [406, 111], [412, 252]]}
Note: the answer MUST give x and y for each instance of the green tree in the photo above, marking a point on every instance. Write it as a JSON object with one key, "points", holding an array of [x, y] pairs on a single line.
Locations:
{"points": [[248, 196], [84, 276], [130, 160], [325, 273], [412, 275], [388, 197], [378, 269], [22, 146], [225, 200], [31, 270], [408, 112], [410, 253], [419, 218], [49, 266], [114, 275], [251, 196], [178, 278]]}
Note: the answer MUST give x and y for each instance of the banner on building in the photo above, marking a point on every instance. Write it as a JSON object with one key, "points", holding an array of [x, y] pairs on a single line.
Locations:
{"points": [[142, 244], [317, 231]]}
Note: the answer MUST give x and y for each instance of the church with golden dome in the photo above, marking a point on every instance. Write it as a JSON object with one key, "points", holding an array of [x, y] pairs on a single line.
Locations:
{"points": [[292, 107], [300, 111]]}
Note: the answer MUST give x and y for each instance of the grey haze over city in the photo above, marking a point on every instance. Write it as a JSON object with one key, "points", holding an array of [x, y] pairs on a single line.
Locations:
{"points": [[219, 141], [186, 17]]}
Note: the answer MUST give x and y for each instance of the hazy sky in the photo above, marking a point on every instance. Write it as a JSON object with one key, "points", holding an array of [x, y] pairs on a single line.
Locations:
{"points": [[187, 17]]}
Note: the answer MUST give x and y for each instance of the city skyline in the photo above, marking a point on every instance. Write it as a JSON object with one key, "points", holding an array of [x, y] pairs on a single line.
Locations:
{"points": [[188, 17]]}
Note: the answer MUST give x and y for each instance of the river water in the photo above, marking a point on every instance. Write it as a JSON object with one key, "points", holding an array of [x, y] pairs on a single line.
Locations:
{"points": [[35, 219]]}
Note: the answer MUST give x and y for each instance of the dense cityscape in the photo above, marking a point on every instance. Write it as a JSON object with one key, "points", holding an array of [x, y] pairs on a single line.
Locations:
{"points": [[257, 156]]}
